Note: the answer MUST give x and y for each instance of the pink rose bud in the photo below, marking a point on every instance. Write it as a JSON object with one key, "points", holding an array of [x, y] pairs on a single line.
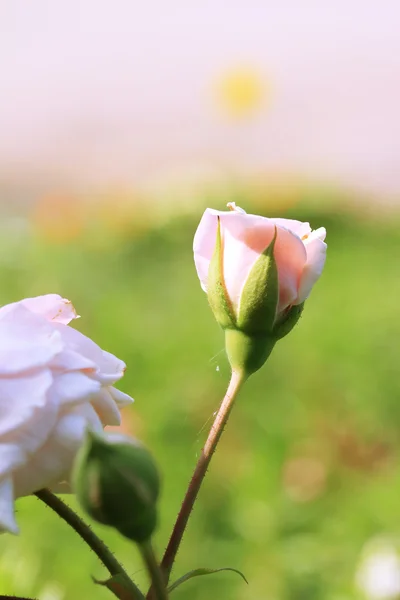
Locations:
{"points": [[257, 273]]}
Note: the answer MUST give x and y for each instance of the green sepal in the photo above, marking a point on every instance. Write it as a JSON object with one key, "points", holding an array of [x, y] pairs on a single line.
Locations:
{"points": [[260, 295], [247, 353], [122, 587], [287, 321], [216, 291], [200, 573]]}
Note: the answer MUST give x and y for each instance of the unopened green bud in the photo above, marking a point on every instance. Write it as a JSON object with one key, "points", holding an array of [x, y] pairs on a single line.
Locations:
{"points": [[117, 483]]}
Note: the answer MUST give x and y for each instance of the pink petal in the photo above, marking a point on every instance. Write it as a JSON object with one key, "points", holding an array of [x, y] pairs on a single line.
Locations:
{"points": [[316, 255], [244, 238], [290, 256], [298, 227]]}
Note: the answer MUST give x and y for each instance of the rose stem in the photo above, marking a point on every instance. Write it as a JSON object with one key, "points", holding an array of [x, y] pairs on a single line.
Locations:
{"points": [[82, 529], [214, 436], [158, 584]]}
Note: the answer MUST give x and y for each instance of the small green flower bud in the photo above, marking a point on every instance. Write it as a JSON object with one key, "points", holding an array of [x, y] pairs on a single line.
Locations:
{"points": [[117, 483]]}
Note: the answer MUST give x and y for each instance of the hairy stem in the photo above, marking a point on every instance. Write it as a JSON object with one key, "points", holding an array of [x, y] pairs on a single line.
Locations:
{"points": [[83, 530], [214, 436], [158, 583]]}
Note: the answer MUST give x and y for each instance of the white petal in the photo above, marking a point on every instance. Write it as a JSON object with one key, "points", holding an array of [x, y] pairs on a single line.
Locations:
{"points": [[52, 462], [73, 388], [7, 518], [120, 398], [50, 306], [11, 458], [68, 360], [318, 233], [23, 398], [109, 368], [106, 408], [26, 342]]}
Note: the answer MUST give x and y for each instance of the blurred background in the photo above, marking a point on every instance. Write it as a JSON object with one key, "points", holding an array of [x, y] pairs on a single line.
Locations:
{"points": [[120, 122]]}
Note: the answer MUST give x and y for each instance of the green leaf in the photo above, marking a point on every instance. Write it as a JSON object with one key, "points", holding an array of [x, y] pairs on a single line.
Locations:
{"points": [[216, 291], [260, 295], [199, 573], [122, 587]]}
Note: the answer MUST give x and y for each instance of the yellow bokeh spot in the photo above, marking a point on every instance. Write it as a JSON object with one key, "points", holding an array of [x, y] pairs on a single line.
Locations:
{"points": [[241, 92]]}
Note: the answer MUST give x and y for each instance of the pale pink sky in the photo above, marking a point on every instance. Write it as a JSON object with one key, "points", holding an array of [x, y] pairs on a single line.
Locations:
{"points": [[102, 92]]}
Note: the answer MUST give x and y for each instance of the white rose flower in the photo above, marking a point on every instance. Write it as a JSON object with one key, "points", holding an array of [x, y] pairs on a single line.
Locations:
{"points": [[54, 383]]}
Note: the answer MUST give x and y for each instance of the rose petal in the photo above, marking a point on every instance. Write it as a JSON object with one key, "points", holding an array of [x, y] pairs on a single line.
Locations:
{"points": [[7, 518], [109, 368], [106, 408], [298, 227], [22, 398], [316, 255], [120, 398], [68, 360], [204, 244], [240, 249], [73, 388], [50, 306], [244, 238], [26, 342], [291, 257], [53, 307], [53, 461], [11, 457]]}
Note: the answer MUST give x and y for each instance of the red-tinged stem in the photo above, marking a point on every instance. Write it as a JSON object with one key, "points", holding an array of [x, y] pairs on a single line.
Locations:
{"points": [[214, 436]]}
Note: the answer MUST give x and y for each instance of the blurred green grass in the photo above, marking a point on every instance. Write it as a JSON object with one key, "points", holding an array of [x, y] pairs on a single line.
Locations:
{"points": [[308, 468]]}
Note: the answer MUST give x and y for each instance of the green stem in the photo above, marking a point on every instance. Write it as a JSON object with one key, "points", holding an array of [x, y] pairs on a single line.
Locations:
{"points": [[210, 446], [83, 530], [158, 585]]}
